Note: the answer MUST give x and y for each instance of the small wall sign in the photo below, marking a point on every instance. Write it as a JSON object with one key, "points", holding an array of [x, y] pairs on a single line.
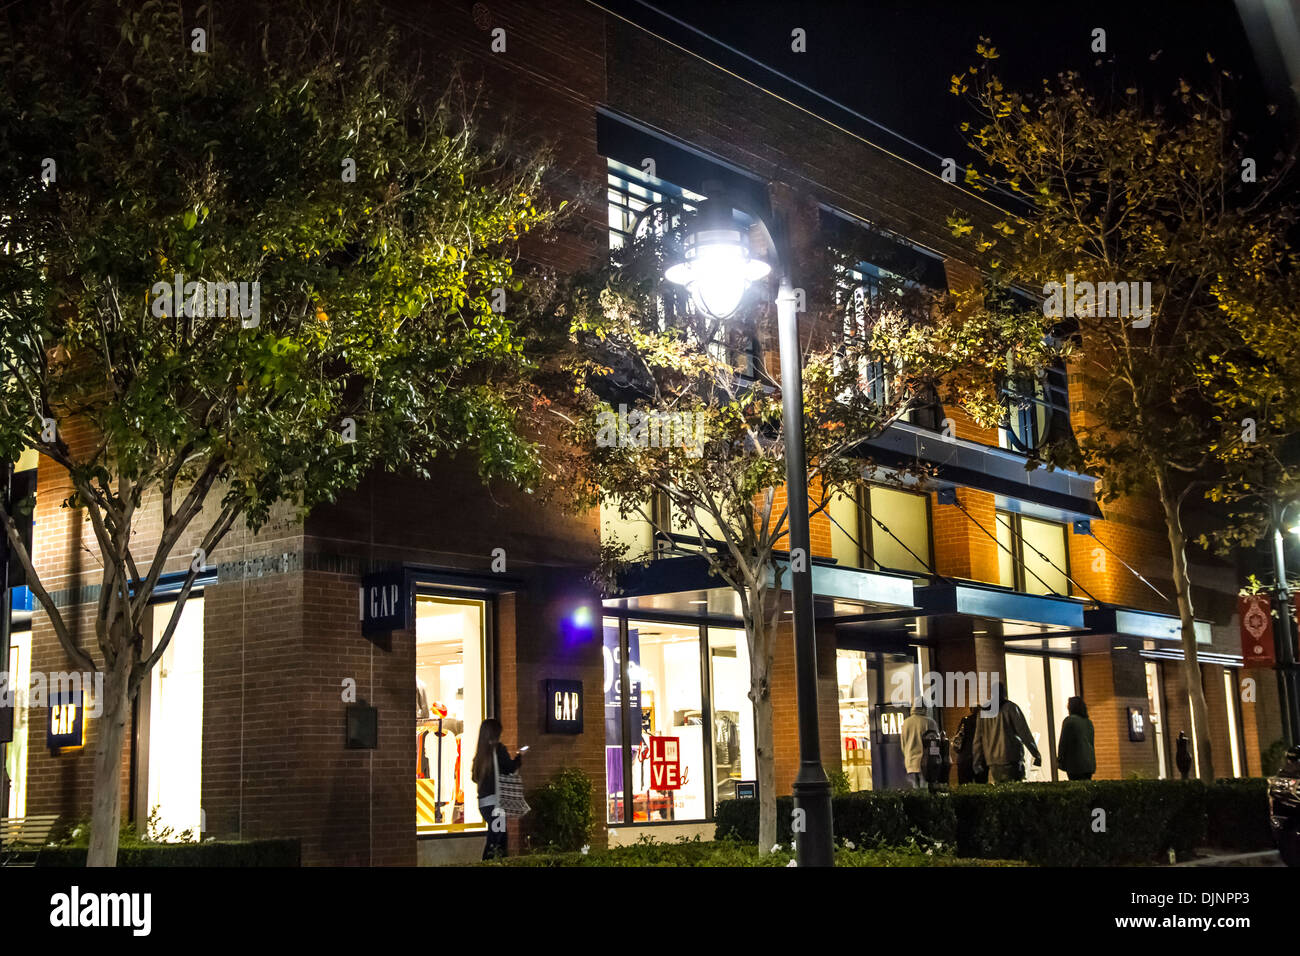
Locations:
{"points": [[563, 702], [384, 602], [1137, 724], [66, 726], [746, 789], [361, 726]]}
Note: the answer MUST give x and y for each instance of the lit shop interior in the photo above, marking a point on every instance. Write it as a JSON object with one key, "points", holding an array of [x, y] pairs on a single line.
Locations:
{"points": [[688, 684], [449, 698]]}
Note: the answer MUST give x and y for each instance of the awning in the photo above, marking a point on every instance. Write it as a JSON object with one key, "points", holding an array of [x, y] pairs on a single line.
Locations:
{"points": [[685, 586], [970, 464], [1129, 622], [1017, 612]]}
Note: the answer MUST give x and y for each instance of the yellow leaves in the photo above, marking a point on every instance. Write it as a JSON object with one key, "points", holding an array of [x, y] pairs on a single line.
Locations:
{"points": [[986, 49]]}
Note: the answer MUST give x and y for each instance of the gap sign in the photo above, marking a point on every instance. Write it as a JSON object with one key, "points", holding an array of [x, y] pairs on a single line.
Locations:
{"points": [[563, 706], [383, 602], [67, 721]]}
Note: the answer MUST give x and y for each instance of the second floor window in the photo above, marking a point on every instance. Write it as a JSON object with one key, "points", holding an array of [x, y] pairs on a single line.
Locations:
{"points": [[858, 539], [1038, 411], [1033, 555]]}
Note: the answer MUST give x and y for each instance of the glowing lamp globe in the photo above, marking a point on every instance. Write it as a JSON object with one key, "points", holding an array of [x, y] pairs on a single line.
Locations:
{"points": [[717, 267]]}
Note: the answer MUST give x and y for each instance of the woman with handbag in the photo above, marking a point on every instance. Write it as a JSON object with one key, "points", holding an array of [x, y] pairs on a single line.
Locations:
{"points": [[494, 772]]}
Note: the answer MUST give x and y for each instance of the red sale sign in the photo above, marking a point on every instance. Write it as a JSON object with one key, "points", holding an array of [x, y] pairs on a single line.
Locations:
{"points": [[665, 763], [1256, 613]]}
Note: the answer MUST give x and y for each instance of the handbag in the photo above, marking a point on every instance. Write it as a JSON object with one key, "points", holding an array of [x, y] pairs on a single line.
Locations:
{"points": [[510, 791]]}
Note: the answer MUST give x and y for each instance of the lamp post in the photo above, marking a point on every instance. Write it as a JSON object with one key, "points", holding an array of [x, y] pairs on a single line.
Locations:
{"points": [[1287, 685], [717, 269]]}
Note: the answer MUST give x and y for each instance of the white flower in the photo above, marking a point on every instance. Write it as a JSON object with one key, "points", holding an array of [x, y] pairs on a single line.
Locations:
{"points": [[586, 849], [850, 845], [777, 848], [791, 863]]}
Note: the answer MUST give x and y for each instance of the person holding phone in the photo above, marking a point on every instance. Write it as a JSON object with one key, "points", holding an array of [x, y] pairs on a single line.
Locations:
{"points": [[483, 773]]}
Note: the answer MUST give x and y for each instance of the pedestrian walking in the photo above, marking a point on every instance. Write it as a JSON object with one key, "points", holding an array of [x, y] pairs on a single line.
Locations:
{"points": [[963, 750], [1074, 750], [1182, 755], [912, 739], [1001, 737], [491, 758]]}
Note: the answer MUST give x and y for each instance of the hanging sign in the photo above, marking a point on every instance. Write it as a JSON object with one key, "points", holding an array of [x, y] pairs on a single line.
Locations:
{"points": [[665, 763], [383, 602], [1256, 614], [67, 721]]}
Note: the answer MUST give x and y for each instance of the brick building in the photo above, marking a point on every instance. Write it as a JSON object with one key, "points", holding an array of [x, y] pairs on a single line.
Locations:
{"points": [[989, 570]]}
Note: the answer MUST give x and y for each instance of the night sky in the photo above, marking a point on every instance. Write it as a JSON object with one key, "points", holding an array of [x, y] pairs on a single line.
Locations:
{"points": [[890, 60]]}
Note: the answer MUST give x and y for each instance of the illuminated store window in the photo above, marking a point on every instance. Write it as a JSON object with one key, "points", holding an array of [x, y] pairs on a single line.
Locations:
{"points": [[732, 712], [1155, 714], [689, 723], [857, 519], [667, 664], [450, 692], [1021, 541], [1042, 686], [1234, 740], [20, 670], [175, 707]]}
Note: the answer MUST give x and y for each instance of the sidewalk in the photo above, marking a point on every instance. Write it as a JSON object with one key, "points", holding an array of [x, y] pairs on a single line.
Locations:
{"points": [[1217, 858]]}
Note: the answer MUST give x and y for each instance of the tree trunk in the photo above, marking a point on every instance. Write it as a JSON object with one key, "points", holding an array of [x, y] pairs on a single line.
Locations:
{"points": [[1187, 617], [760, 668], [106, 805]]}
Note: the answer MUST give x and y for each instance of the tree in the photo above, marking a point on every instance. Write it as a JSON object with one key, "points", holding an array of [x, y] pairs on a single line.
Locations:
{"points": [[664, 404], [1183, 291], [237, 277]]}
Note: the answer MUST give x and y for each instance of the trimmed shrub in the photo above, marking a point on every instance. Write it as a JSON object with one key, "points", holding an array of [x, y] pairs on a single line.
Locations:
{"points": [[1051, 824], [1236, 814], [868, 818], [561, 816], [1059, 824], [217, 853]]}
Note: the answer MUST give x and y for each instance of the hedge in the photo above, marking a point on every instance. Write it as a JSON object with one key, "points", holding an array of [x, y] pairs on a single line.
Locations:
{"points": [[217, 853], [1237, 814], [1051, 824]]}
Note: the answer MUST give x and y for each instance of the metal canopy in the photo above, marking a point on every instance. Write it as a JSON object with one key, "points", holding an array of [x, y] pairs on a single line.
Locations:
{"points": [[684, 586]]}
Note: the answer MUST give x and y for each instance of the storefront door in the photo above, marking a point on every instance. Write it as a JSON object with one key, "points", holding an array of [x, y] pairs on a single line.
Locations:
{"points": [[876, 693]]}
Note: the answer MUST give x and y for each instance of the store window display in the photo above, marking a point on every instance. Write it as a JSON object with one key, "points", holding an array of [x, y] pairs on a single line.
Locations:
{"points": [[679, 703], [732, 713], [449, 701], [855, 684]]}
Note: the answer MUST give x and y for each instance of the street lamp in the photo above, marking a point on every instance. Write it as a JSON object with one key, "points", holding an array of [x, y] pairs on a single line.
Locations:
{"points": [[717, 268], [1287, 685]]}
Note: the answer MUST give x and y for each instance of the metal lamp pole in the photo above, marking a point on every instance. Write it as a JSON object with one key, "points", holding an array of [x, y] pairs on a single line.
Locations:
{"points": [[1287, 687], [812, 790], [714, 223]]}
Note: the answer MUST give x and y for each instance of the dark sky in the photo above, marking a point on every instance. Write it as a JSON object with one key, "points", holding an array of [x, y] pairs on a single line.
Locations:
{"points": [[890, 60]]}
